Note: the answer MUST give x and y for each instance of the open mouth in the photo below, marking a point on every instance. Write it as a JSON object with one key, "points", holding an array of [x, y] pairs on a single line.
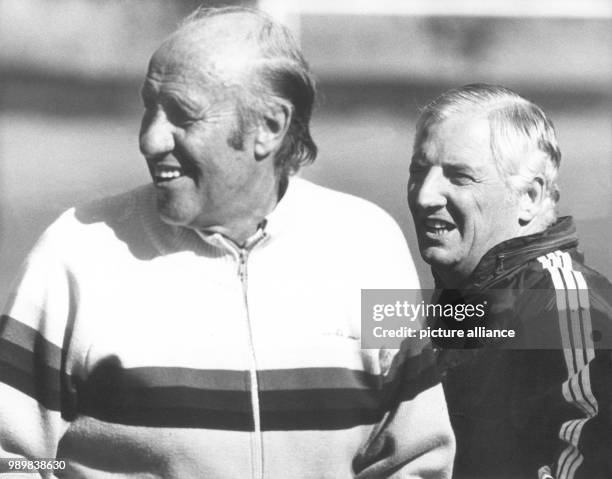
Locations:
{"points": [[164, 173], [437, 227]]}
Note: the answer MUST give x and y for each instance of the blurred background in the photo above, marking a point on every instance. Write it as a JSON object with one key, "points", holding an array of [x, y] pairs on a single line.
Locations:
{"points": [[70, 72]]}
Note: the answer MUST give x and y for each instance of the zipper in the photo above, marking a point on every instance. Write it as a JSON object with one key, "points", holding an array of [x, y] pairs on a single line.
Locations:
{"points": [[243, 255]]}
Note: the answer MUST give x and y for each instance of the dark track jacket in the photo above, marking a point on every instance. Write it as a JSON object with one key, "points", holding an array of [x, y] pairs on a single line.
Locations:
{"points": [[543, 400]]}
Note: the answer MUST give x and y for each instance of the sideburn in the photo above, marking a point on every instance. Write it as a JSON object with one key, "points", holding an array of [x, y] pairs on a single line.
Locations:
{"points": [[235, 139]]}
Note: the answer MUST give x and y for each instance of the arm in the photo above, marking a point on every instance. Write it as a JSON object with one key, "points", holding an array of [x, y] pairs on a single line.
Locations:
{"points": [[586, 438], [584, 315], [414, 439], [32, 334]]}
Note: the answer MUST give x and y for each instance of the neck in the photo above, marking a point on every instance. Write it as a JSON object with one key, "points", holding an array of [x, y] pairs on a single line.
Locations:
{"points": [[537, 225], [239, 231], [459, 276], [451, 280], [246, 220]]}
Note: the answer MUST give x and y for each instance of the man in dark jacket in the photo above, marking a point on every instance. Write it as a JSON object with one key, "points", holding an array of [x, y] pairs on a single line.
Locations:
{"points": [[483, 193]]}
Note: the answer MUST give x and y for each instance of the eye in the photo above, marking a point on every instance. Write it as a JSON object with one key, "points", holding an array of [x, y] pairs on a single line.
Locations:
{"points": [[176, 115], [460, 178], [184, 122]]}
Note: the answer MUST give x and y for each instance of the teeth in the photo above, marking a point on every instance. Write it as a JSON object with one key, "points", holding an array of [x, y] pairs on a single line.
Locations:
{"points": [[437, 224], [164, 173]]}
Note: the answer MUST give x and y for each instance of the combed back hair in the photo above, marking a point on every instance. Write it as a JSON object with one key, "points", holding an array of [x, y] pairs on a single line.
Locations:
{"points": [[280, 73], [522, 139]]}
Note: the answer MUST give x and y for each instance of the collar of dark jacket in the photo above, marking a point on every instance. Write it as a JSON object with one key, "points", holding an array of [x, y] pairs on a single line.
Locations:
{"points": [[516, 251]]}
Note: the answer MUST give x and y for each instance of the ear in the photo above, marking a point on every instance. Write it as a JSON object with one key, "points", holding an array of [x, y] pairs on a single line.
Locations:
{"points": [[530, 201], [272, 128]]}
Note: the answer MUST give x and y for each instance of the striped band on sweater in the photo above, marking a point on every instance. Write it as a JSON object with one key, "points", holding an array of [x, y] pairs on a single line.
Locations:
{"points": [[323, 398]]}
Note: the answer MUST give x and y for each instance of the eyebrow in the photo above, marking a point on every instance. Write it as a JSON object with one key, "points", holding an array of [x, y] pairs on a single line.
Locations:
{"points": [[185, 103], [419, 157], [463, 168], [182, 103], [460, 166]]}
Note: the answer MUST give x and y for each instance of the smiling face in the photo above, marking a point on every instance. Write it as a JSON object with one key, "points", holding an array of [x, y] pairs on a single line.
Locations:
{"points": [[202, 165], [460, 204]]}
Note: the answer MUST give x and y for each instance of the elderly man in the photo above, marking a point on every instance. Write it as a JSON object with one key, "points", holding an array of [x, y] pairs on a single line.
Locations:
{"points": [[207, 326], [482, 192]]}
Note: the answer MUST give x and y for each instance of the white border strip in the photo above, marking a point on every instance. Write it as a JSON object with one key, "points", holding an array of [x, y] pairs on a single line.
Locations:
{"points": [[470, 8]]}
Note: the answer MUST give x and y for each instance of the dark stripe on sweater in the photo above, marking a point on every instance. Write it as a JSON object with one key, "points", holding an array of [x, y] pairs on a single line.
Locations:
{"points": [[20, 370], [293, 410], [290, 399], [14, 332], [222, 379], [127, 399], [306, 409], [110, 371], [317, 378], [183, 417]]}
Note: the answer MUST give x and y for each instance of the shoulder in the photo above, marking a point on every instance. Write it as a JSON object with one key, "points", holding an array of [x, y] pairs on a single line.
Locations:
{"points": [[347, 210], [93, 226], [355, 232], [113, 209], [566, 270], [574, 287]]}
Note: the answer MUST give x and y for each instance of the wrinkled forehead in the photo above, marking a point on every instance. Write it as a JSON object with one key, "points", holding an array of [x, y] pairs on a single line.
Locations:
{"points": [[458, 138], [214, 49]]}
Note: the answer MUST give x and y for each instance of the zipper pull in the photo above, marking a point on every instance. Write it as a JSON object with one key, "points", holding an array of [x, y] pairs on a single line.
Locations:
{"points": [[500, 263], [242, 265]]}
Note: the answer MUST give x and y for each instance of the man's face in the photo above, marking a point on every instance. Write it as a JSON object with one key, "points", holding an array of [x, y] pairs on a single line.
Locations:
{"points": [[202, 166], [460, 204]]}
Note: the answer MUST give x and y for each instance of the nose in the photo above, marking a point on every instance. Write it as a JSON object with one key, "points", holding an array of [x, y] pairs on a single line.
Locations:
{"points": [[156, 134], [428, 190]]}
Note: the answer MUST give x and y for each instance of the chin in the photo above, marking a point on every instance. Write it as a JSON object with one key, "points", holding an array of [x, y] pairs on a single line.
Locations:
{"points": [[171, 219], [173, 214], [438, 258]]}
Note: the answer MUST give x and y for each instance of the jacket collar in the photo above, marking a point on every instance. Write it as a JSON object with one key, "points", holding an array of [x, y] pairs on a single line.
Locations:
{"points": [[516, 251]]}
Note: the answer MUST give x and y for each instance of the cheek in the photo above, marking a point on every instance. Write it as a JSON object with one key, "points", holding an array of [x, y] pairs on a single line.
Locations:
{"points": [[501, 205], [463, 208], [496, 217], [472, 217]]}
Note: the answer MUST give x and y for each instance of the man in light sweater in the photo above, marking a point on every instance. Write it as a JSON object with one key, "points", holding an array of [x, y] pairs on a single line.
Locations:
{"points": [[207, 325]]}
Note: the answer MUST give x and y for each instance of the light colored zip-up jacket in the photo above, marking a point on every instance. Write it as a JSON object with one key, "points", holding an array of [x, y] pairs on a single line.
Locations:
{"points": [[131, 348]]}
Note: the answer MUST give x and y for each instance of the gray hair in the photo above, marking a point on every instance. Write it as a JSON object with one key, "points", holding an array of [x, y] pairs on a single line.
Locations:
{"points": [[523, 141], [280, 73]]}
